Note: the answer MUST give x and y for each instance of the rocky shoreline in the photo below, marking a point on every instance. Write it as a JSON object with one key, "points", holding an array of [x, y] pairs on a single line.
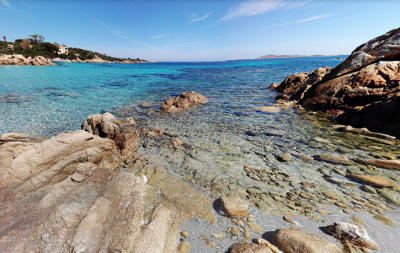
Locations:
{"points": [[17, 59], [101, 189], [363, 91], [153, 184]]}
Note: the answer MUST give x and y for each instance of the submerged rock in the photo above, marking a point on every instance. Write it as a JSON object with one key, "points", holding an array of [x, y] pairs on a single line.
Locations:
{"points": [[376, 180], [14, 98], [387, 164], [391, 196], [183, 102], [269, 109], [335, 159], [351, 233], [295, 241]]}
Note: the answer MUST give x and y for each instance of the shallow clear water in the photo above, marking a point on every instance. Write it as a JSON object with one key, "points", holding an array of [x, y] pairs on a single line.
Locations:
{"points": [[221, 139], [50, 100]]}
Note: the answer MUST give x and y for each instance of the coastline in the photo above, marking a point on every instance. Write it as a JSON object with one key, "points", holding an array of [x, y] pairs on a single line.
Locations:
{"points": [[17, 59], [167, 167]]}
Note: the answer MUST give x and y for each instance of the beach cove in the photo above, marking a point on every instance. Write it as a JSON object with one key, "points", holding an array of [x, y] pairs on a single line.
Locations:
{"points": [[242, 142]]}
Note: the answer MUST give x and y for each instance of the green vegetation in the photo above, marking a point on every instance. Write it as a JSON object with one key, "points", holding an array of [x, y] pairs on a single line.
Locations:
{"points": [[35, 46]]}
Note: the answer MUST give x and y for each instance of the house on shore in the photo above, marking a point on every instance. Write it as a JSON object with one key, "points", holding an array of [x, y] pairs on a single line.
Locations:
{"points": [[62, 49]]}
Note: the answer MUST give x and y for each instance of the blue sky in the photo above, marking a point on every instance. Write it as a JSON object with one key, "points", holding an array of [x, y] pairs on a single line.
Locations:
{"points": [[189, 30]]}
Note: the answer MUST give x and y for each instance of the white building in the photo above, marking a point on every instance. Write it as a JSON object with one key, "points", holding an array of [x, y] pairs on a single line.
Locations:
{"points": [[62, 49]]}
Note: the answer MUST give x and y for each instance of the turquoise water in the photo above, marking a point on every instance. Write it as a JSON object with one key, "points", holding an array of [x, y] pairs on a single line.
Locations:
{"points": [[53, 99]]}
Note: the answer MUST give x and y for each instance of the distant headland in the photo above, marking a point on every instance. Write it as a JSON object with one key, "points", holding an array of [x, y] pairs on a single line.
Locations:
{"points": [[272, 56], [36, 51]]}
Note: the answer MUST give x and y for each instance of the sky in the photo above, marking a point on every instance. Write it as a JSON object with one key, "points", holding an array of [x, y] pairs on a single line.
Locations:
{"points": [[201, 30]]}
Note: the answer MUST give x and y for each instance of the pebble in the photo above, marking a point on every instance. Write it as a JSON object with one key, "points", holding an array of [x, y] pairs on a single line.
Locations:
{"points": [[218, 236], [234, 231], [285, 157], [288, 219], [255, 227], [233, 206], [184, 247], [246, 234], [184, 234]]}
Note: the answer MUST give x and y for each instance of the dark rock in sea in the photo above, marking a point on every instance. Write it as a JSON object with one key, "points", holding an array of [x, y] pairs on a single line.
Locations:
{"points": [[363, 91], [183, 102], [14, 98]]}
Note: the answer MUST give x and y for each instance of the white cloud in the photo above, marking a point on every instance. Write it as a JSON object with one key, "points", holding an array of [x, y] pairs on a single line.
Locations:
{"points": [[195, 18], [307, 19], [5, 2], [258, 7], [159, 36]]}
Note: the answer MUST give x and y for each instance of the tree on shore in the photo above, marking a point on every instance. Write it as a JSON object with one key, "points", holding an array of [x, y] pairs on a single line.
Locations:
{"points": [[4, 38], [34, 37], [41, 38], [37, 38]]}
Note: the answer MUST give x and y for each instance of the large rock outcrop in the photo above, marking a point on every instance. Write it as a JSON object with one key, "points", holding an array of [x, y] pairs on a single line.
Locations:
{"points": [[363, 91], [68, 194], [17, 59], [76, 192], [121, 131]]}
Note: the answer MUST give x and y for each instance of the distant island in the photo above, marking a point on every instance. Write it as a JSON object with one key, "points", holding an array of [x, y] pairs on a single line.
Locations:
{"points": [[35, 51], [272, 56]]}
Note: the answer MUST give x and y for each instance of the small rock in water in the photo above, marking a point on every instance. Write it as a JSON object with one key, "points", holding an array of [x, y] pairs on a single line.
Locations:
{"points": [[184, 234], [245, 247], [377, 180], [184, 247], [390, 195], [350, 232], [305, 158], [269, 109], [232, 206], [234, 231], [336, 159], [177, 143], [145, 105], [285, 157], [255, 227], [387, 164], [384, 219], [288, 219], [272, 132], [368, 188], [294, 241], [246, 234], [319, 139]]}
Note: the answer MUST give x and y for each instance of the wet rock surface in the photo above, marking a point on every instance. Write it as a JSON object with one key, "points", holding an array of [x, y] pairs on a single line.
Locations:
{"points": [[348, 232], [213, 160], [232, 206], [295, 241], [362, 91]]}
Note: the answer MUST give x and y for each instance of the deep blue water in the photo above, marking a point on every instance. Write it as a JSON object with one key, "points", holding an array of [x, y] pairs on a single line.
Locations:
{"points": [[53, 99]]}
